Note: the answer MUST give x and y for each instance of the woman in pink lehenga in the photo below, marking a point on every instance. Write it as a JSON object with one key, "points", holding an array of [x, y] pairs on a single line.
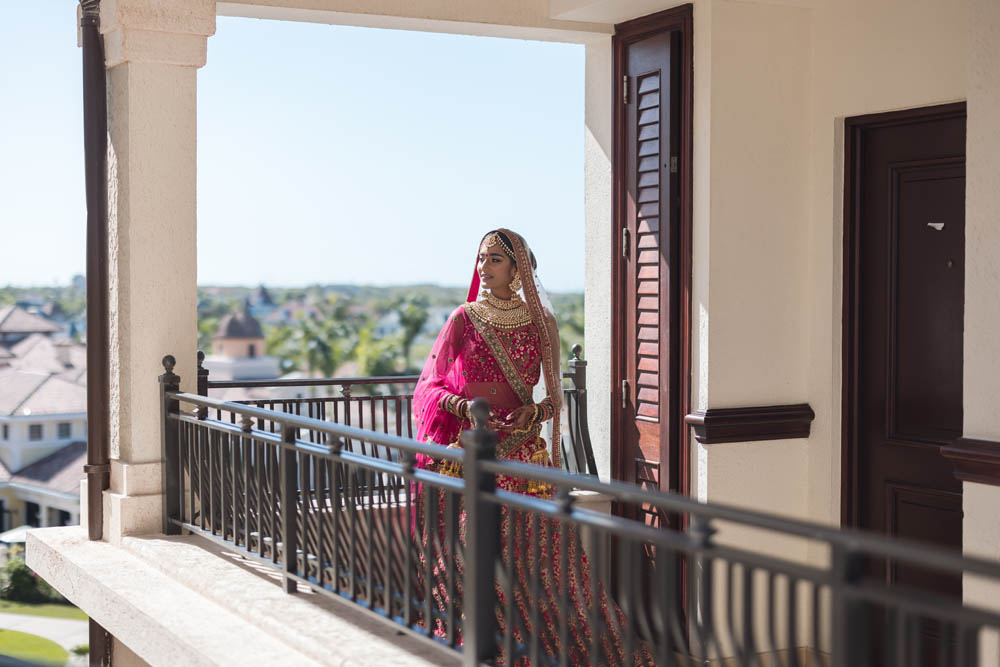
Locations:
{"points": [[499, 347]]}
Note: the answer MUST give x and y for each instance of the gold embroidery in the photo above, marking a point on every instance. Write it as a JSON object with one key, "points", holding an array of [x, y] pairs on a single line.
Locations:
{"points": [[503, 359]]}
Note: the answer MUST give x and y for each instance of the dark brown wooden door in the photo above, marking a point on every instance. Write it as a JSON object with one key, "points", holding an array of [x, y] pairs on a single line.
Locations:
{"points": [[650, 256], [908, 221]]}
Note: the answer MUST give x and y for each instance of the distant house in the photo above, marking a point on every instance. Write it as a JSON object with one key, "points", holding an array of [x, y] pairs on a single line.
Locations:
{"points": [[16, 324], [239, 350]]}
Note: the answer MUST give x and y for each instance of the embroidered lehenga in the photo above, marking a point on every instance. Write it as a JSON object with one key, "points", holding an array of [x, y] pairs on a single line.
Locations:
{"points": [[483, 351]]}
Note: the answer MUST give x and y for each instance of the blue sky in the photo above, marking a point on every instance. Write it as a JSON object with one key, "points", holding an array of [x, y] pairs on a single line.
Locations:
{"points": [[325, 154]]}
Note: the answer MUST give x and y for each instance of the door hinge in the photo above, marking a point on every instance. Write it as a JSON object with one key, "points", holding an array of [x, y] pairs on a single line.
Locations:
{"points": [[626, 242], [673, 164], [625, 395], [625, 89]]}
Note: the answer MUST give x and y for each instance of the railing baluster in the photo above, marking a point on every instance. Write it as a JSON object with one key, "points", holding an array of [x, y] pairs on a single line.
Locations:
{"points": [[351, 499], [532, 545], [816, 625], [260, 451], [335, 510], [596, 618], [772, 612], [451, 562], [792, 630], [509, 586], [289, 493], [430, 534], [749, 629], [408, 541], [370, 551]]}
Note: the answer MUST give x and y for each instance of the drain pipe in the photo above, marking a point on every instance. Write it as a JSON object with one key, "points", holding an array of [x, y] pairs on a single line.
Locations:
{"points": [[95, 152], [95, 142]]}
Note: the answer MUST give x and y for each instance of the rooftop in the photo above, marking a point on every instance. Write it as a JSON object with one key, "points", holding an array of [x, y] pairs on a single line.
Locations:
{"points": [[16, 320], [25, 392], [60, 471], [240, 325]]}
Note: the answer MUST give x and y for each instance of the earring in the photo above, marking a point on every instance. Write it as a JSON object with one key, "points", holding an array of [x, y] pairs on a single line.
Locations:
{"points": [[515, 284]]}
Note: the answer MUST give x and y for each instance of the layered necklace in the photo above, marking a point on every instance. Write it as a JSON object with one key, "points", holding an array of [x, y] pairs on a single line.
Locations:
{"points": [[501, 313]]}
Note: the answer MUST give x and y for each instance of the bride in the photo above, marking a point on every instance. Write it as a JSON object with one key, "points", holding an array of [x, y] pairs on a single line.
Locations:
{"points": [[499, 347]]}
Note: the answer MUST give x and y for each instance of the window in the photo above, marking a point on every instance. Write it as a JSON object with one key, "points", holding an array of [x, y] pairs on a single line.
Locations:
{"points": [[31, 512], [64, 430], [63, 518], [35, 432], [252, 351], [6, 431]]}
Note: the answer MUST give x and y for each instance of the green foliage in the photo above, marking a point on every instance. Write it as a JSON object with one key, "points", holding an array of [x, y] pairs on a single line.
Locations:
{"points": [[31, 648], [412, 313], [80, 649], [375, 357], [18, 582], [207, 326]]}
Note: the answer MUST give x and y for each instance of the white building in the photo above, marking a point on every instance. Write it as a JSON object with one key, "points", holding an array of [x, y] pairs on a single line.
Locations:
{"points": [[43, 431]]}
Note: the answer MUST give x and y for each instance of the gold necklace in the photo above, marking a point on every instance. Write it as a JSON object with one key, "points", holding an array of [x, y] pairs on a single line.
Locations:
{"points": [[504, 304], [513, 313]]}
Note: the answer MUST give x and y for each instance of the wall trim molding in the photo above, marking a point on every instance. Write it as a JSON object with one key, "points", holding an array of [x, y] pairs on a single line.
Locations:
{"points": [[768, 422], [974, 460]]}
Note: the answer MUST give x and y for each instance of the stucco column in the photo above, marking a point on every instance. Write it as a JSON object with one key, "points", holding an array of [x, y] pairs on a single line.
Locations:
{"points": [[597, 240], [153, 50], [981, 530]]}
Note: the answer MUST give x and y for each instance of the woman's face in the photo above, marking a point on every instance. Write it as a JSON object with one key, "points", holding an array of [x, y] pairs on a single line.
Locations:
{"points": [[495, 268]]}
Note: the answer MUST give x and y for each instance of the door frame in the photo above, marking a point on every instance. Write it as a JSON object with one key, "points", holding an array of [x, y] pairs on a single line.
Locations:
{"points": [[854, 129], [677, 19]]}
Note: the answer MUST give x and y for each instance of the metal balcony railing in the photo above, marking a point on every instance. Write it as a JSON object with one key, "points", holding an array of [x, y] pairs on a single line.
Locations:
{"points": [[392, 410], [513, 579]]}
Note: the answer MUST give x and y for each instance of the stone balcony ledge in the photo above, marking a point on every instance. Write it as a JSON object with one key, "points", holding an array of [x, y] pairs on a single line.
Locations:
{"points": [[180, 600]]}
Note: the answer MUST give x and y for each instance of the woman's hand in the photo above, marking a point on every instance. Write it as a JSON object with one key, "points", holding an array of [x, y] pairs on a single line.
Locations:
{"points": [[521, 417]]}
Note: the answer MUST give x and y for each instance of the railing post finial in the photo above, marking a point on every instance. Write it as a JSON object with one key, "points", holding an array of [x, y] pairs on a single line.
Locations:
{"points": [[169, 380], [202, 375]]}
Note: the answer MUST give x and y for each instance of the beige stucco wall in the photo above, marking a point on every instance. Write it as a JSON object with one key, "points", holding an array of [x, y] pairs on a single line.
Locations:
{"points": [[981, 530], [752, 324]]}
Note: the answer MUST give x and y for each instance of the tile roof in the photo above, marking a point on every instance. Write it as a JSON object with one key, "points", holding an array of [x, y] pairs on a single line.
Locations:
{"points": [[61, 470], [32, 393], [43, 354], [16, 320]]}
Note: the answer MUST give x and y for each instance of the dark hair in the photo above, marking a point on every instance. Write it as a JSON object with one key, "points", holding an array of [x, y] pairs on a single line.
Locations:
{"points": [[509, 247]]}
